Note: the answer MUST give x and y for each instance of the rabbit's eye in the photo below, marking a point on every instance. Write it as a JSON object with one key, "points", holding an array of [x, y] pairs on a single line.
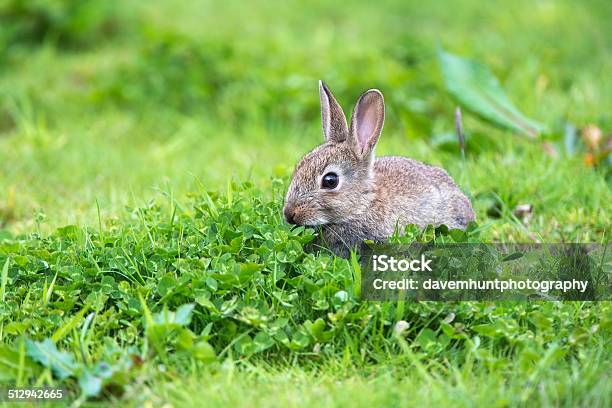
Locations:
{"points": [[330, 181]]}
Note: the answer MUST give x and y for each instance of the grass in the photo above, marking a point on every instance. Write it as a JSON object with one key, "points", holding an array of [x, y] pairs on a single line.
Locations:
{"points": [[144, 152], [391, 386], [220, 281], [152, 96]]}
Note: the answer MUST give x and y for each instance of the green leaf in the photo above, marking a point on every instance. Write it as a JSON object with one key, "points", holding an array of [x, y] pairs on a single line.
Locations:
{"points": [[247, 270], [11, 364], [183, 314], [487, 330], [94, 379], [299, 341], [181, 317], [203, 352], [426, 337], [472, 84], [47, 354], [316, 329], [263, 341], [166, 284], [244, 346], [90, 384]]}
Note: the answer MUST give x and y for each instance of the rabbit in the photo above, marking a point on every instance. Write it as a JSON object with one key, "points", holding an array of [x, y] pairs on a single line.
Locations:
{"points": [[352, 196]]}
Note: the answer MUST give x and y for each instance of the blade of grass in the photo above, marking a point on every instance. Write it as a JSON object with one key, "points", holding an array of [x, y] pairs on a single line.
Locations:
{"points": [[5, 269]]}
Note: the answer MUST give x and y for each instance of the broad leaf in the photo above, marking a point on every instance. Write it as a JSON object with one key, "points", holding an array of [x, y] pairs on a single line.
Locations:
{"points": [[47, 354], [182, 316], [474, 86], [203, 352], [93, 380], [90, 384]]}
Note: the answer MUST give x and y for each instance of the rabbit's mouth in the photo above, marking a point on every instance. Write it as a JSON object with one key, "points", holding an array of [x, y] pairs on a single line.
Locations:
{"points": [[304, 216]]}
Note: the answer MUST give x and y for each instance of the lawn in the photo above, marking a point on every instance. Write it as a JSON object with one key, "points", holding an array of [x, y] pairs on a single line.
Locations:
{"points": [[145, 149]]}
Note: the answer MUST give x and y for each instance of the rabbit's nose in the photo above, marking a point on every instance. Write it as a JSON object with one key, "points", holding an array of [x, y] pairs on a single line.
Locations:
{"points": [[289, 214]]}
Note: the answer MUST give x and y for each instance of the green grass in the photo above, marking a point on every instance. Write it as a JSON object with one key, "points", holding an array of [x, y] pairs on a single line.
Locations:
{"points": [[402, 384], [145, 108], [164, 135], [220, 280]]}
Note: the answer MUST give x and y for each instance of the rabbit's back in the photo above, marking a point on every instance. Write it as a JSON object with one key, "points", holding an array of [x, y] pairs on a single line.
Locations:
{"points": [[410, 192]]}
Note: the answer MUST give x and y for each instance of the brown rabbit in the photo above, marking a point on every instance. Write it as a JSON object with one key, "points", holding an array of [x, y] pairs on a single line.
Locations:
{"points": [[341, 187]]}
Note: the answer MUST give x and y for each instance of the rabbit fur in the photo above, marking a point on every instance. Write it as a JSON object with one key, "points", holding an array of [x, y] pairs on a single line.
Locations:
{"points": [[373, 196]]}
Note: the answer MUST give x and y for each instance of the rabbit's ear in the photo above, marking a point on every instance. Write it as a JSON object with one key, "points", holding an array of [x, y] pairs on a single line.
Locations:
{"points": [[335, 128], [367, 121]]}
